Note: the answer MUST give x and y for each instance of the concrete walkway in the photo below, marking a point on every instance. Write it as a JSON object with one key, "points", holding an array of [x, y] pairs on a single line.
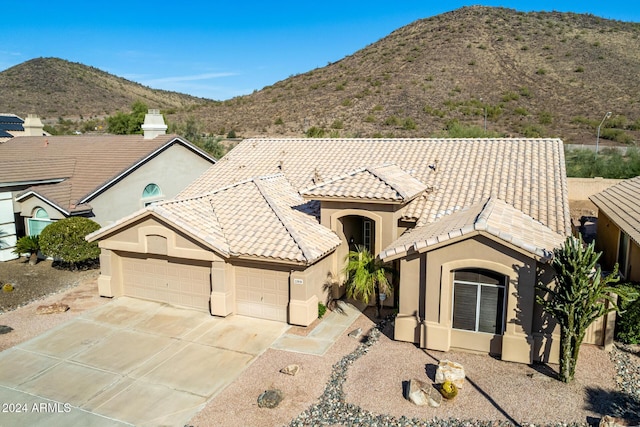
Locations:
{"points": [[323, 336], [130, 362]]}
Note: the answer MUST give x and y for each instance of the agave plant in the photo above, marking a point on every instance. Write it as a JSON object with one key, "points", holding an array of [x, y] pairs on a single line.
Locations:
{"points": [[28, 245]]}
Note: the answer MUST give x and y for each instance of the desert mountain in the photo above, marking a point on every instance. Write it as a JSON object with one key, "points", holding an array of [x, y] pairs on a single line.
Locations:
{"points": [[529, 74]]}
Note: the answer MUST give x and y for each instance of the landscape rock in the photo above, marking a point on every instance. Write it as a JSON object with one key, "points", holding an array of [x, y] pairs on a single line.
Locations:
{"points": [[422, 393], [270, 399], [355, 333], [450, 371], [52, 308], [291, 370], [609, 421]]}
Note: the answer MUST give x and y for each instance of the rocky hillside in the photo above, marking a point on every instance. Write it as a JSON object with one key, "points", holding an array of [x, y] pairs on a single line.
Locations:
{"points": [[530, 74], [53, 88]]}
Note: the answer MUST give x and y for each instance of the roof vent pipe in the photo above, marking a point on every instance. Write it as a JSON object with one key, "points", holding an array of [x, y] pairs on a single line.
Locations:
{"points": [[153, 124]]}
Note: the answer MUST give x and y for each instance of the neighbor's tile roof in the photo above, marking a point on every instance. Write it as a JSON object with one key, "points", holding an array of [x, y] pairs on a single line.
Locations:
{"points": [[379, 183], [621, 203], [86, 163], [493, 217], [528, 174], [262, 217]]}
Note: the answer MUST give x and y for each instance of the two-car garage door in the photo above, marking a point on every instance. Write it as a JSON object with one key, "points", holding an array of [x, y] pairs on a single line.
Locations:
{"points": [[259, 293], [167, 280]]}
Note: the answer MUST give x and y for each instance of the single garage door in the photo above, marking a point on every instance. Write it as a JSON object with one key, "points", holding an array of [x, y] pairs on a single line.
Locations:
{"points": [[262, 293], [167, 280]]}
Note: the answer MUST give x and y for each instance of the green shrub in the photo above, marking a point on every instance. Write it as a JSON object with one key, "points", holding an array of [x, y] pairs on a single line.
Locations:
{"points": [[322, 309], [545, 118], [628, 323], [337, 124], [409, 124], [315, 132], [279, 121], [65, 240]]}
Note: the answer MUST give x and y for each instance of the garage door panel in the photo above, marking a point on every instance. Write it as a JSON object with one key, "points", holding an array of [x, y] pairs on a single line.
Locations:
{"points": [[167, 281], [262, 293]]}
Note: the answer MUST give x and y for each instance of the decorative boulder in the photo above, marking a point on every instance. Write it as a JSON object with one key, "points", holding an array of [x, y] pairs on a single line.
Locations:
{"points": [[609, 421], [291, 370], [270, 399], [450, 371], [422, 393], [52, 308], [355, 333]]}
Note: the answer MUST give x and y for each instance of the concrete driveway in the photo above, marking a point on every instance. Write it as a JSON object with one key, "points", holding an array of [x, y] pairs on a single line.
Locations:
{"points": [[130, 362]]}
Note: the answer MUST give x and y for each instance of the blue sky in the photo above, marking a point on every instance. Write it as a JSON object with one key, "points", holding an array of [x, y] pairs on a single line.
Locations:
{"points": [[219, 51]]}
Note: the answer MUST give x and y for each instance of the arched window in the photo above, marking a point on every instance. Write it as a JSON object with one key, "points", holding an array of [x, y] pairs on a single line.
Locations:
{"points": [[38, 221], [479, 300], [150, 194]]}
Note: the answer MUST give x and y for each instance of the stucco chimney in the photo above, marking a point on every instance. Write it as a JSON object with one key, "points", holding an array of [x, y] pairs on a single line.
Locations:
{"points": [[153, 124], [33, 126]]}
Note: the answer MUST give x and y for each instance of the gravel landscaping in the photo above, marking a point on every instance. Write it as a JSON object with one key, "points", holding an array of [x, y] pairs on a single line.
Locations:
{"points": [[360, 383]]}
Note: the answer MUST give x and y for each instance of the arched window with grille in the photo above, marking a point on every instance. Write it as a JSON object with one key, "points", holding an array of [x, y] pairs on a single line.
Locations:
{"points": [[38, 221], [151, 194]]}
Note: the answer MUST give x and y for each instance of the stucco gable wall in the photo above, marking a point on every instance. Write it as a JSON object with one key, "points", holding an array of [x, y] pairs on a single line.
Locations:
{"points": [[172, 170], [150, 236], [426, 293]]}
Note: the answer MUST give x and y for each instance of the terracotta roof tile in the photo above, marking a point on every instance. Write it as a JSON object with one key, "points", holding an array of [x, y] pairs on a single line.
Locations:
{"points": [[381, 183], [621, 203], [494, 217], [524, 172], [262, 217]]}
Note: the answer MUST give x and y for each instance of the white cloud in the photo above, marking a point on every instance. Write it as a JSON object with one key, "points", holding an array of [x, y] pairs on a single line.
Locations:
{"points": [[177, 79]]}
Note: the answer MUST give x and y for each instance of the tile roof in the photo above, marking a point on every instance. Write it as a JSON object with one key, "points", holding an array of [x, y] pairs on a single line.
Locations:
{"points": [[87, 163], [380, 183], [621, 203], [528, 174], [262, 217], [493, 217]]}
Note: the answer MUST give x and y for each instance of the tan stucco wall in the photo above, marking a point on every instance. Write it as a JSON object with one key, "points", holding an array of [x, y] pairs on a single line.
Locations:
{"points": [[582, 188], [172, 170], [426, 292], [634, 262], [607, 237], [385, 217]]}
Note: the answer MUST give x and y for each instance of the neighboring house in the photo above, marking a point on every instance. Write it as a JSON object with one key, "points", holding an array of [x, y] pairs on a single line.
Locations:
{"points": [[618, 229], [43, 179], [470, 225], [12, 126]]}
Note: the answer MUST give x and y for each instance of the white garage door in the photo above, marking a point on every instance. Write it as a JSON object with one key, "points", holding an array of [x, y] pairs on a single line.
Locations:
{"points": [[262, 293], [167, 281]]}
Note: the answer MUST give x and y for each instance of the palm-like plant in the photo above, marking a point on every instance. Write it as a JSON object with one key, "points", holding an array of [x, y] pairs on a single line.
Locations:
{"points": [[28, 245], [366, 276]]}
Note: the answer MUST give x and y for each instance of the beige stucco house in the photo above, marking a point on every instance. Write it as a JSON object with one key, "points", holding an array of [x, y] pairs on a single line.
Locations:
{"points": [[618, 228], [103, 177], [469, 224]]}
